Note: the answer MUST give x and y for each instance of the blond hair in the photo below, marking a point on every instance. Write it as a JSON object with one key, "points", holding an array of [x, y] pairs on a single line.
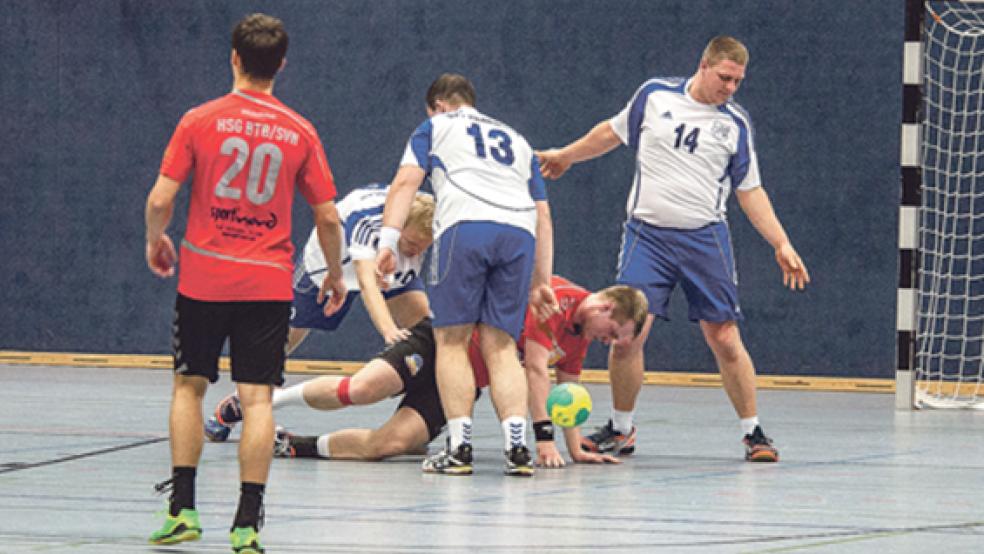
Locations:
{"points": [[722, 48], [629, 304], [421, 215]]}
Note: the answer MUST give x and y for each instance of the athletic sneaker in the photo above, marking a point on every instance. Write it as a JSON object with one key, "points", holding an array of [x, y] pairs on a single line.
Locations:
{"points": [[606, 439], [519, 462], [228, 413], [758, 447], [281, 444], [180, 528], [458, 462], [245, 540]]}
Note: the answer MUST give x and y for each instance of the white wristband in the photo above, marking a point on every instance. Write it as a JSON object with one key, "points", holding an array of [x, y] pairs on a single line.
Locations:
{"points": [[388, 238]]}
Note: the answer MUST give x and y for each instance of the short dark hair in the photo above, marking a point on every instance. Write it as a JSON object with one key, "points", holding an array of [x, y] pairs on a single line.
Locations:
{"points": [[261, 42], [453, 88]]}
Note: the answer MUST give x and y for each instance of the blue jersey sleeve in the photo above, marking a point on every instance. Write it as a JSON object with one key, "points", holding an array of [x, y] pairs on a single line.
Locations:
{"points": [[420, 144]]}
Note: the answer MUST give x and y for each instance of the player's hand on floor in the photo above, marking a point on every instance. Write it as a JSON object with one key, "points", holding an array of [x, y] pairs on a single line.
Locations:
{"points": [[794, 273], [581, 457], [333, 288], [548, 456]]}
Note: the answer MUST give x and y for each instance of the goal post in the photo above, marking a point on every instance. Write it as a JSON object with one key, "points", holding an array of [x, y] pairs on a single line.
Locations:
{"points": [[940, 318]]}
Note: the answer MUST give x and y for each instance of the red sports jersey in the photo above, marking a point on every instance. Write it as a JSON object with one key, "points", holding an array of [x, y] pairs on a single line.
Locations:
{"points": [[557, 334], [245, 151]]}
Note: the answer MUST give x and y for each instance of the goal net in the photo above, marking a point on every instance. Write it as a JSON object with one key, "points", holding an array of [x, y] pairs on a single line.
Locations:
{"points": [[949, 368]]}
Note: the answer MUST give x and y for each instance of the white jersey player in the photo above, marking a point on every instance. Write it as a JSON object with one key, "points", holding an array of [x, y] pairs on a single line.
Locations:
{"points": [[494, 239], [693, 147], [392, 310]]}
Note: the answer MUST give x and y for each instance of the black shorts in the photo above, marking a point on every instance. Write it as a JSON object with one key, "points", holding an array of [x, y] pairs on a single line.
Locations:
{"points": [[415, 360], [257, 333]]}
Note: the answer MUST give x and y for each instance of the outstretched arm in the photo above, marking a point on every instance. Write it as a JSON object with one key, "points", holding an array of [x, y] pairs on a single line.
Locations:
{"points": [[372, 297], [599, 140], [756, 205]]}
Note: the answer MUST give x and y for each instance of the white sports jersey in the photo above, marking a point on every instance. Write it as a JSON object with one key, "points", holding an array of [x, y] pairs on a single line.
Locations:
{"points": [[361, 213], [480, 170], [689, 155]]}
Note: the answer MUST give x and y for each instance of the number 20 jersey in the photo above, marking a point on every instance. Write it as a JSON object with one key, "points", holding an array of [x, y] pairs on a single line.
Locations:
{"points": [[689, 155], [245, 152], [480, 170]]}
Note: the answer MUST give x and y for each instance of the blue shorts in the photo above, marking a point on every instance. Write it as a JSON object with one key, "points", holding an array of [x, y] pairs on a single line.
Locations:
{"points": [[307, 313], [655, 259], [480, 273]]}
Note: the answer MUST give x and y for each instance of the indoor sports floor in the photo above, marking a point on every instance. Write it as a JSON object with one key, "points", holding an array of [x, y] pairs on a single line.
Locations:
{"points": [[82, 447]]}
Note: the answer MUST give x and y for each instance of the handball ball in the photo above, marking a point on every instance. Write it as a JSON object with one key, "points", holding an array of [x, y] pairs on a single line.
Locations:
{"points": [[569, 404]]}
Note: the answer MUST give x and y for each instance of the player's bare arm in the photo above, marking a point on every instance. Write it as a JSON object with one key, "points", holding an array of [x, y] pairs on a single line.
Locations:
{"points": [[543, 301], [330, 237], [160, 252], [756, 205], [536, 358], [372, 297], [398, 200], [598, 141]]}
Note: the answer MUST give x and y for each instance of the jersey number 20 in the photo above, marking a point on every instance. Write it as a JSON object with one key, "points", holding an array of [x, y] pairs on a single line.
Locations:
{"points": [[240, 149]]}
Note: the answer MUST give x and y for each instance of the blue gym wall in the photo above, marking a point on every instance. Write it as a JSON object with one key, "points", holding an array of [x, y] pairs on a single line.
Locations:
{"points": [[91, 92]]}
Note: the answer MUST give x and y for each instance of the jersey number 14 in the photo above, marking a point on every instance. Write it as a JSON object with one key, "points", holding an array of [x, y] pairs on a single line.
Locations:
{"points": [[690, 141]]}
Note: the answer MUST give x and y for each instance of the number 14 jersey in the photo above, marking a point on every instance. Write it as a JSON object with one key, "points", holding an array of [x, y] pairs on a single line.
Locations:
{"points": [[245, 152], [689, 155]]}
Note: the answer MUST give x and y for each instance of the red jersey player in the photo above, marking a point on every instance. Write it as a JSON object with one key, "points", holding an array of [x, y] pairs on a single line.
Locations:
{"points": [[611, 315], [245, 153]]}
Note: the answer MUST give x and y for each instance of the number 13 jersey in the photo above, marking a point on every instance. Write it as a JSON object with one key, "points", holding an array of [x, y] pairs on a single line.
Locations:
{"points": [[245, 152], [689, 155], [480, 170]]}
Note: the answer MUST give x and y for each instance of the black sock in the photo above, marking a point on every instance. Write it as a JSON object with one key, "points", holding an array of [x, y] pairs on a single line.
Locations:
{"points": [[183, 493], [305, 447], [250, 506]]}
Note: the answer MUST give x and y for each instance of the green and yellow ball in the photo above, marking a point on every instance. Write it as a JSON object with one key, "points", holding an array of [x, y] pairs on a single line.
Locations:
{"points": [[568, 404]]}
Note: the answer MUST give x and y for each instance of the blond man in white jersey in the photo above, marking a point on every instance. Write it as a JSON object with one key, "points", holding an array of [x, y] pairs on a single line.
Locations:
{"points": [[694, 145]]}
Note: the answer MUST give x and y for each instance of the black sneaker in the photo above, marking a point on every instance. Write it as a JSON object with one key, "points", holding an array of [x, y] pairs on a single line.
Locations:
{"points": [[519, 462], [458, 462], [289, 445], [606, 439], [758, 447]]}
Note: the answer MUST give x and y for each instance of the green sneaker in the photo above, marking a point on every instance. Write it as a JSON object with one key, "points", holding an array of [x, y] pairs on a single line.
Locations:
{"points": [[245, 540], [180, 528]]}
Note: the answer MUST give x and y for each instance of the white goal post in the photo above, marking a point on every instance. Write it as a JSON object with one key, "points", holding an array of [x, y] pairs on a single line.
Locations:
{"points": [[940, 318]]}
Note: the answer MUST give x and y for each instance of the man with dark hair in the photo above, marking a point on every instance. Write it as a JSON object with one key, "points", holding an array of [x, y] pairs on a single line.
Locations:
{"points": [[246, 153], [493, 239]]}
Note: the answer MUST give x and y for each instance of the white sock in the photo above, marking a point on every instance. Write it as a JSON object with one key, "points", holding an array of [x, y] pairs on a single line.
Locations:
{"points": [[514, 428], [323, 447], [622, 421], [459, 430], [749, 424], [291, 396]]}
